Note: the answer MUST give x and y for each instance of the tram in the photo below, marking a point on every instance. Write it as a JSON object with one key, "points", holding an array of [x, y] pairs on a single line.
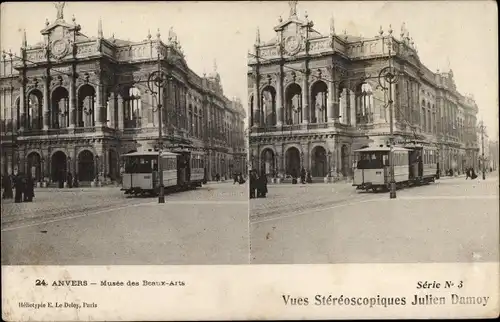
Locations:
{"points": [[182, 170], [413, 165]]}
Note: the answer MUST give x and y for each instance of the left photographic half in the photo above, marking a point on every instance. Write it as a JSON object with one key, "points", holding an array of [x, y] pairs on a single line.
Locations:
{"points": [[119, 143]]}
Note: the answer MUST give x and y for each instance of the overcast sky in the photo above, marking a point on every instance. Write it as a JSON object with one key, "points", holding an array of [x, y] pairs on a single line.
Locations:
{"points": [[461, 32]]}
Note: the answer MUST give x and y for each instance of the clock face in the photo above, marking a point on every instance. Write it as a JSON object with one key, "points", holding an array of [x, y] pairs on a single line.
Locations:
{"points": [[59, 48], [292, 44]]}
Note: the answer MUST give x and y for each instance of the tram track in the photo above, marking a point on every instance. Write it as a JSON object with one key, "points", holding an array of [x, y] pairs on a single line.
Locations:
{"points": [[291, 208]]}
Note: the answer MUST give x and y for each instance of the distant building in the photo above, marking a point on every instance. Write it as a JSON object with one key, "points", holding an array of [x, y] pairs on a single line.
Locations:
{"points": [[315, 98], [493, 155], [75, 104]]}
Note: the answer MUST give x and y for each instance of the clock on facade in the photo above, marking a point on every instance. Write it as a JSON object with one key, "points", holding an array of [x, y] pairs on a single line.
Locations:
{"points": [[59, 48], [292, 44]]}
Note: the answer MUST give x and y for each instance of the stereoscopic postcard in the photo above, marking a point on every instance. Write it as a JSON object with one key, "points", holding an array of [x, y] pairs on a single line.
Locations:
{"points": [[249, 160]]}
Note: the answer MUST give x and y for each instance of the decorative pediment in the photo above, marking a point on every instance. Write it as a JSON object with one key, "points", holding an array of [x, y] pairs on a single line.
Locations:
{"points": [[290, 23], [59, 27]]}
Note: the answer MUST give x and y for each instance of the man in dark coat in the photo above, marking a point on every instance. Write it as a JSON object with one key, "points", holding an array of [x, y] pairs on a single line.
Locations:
{"points": [[262, 186], [75, 181], [7, 187], [61, 179], [20, 184], [253, 183], [70, 180], [473, 174], [29, 189]]}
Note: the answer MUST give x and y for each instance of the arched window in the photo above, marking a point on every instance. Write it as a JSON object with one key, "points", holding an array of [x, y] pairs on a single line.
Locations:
{"points": [[190, 120], [133, 108], [364, 104]]}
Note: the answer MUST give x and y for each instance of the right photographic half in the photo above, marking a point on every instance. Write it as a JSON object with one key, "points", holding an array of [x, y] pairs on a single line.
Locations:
{"points": [[373, 133]]}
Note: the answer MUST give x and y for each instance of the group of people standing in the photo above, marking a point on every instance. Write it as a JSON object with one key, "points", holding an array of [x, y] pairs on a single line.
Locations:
{"points": [[258, 185], [470, 173], [24, 186]]}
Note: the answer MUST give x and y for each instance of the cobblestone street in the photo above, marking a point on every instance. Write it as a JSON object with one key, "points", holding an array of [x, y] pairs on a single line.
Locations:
{"points": [[452, 220], [102, 226]]}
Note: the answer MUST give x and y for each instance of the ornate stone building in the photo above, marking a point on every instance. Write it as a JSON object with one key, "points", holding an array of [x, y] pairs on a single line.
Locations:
{"points": [[76, 103], [315, 98]]}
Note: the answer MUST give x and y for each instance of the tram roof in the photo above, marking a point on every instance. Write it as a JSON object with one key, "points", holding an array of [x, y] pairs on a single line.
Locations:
{"points": [[380, 149], [149, 153]]}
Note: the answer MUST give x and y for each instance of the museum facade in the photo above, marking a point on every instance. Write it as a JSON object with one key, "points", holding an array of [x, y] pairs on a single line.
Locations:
{"points": [[315, 98], [75, 104]]}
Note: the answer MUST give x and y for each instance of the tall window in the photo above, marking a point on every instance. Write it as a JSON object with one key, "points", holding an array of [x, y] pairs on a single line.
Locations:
{"points": [[364, 104], [133, 109]]}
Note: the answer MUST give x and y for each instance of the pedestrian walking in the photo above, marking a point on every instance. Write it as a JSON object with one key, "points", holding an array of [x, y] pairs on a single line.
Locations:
{"points": [[235, 178], [19, 186], [7, 187], [467, 173], [29, 189], [303, 176]]}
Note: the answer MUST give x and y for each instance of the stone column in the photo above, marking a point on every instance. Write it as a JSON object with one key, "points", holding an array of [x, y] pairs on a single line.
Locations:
{"points": [[72, 103], [112, 110], [332, 102], [279, 99], [119, 108], [256, 102], [305, 98], [150, 112], [98, 110], [351, 101], [22, 104], [46, 102], [304, 155]]}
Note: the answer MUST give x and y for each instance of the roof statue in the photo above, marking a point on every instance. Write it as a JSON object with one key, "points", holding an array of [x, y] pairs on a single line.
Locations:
{"points": [[60, 10], [332, 26], [293, 7]]}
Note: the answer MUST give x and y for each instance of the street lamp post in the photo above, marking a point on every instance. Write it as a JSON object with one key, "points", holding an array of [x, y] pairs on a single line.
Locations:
{"points": [[157, 79], [97, 169], [482, 128], [389, 75]]}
